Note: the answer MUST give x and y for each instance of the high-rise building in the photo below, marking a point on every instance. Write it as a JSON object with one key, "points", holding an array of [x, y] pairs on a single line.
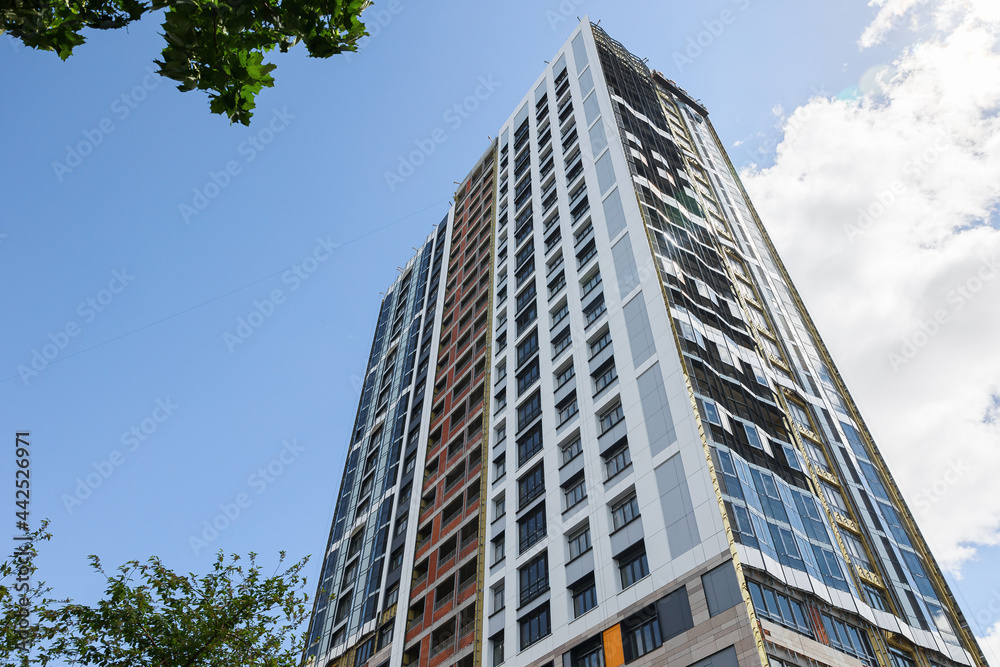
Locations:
{"points": [[598, 426]]}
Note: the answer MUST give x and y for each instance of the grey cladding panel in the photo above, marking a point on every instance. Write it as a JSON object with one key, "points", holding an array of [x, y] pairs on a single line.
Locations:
{"points": [[678, 511], [656, 410], [724, 658], [591, 108], [721, 588], [674, 612], [605, 172], [598, 138], [586, 82], [579, 52], [640, 333], [628, 275], [614, 213]]}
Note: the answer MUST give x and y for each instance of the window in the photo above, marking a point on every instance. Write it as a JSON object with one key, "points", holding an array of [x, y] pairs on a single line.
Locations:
{"points": [[500, 465], [396, 559], [529, 444], [856, 550], [610, 418], [560, 314], [584, 595], [753, 436], [600, 343], [556, 284], [525, 254], [834, 498], [876, 598], [526, 271], [633, 567], [594, 309], [529, 410], [527, 348], [605, 378], [567, 410], [501, 399], [530, 486], [499, 507], [534, 578], [526, 297], [711, 413], [579, 543], [526, 317], [498, 597], [624, 512], [572, 450], [900, 659], [527, 377], [561, 341], [565, 375], [496, 642], [799, 415], [588, 654], [815, 454], [531, 528], [576, 492], [590, 284], [498, 549], [617, 461], [535, 625], [640, 635], [392, 596]]}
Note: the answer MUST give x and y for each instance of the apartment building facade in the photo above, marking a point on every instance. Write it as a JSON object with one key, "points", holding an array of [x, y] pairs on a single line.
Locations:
{"points": [[599, 427]]}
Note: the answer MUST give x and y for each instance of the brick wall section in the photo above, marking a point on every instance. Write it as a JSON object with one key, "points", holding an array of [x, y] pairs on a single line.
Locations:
{"points": [[442, 605]]}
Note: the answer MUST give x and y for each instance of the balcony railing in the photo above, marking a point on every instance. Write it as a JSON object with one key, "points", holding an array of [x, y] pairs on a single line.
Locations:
{"points": [[442, 646], [445, 600]]}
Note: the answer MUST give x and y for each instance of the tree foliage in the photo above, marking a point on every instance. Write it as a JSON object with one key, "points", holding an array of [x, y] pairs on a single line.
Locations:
{"points": [[151, 616], [213, 45]]}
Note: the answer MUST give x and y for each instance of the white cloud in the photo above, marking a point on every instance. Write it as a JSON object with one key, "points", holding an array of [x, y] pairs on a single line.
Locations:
{"points": [[991, 644], [884, 210]]}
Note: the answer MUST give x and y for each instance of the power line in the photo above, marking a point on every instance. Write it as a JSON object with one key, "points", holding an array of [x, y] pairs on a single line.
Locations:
{"points": [[229, 293]]}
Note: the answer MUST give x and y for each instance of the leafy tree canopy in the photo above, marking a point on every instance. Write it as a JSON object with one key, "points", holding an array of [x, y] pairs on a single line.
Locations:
{"points": [[213, 45], [151, 616]]}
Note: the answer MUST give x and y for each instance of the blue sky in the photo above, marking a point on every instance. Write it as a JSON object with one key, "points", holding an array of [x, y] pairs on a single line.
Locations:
{"points": [[309, 172]]}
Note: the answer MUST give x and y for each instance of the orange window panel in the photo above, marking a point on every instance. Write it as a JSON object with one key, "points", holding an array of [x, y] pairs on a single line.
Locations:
{"points": [[613, 654]]}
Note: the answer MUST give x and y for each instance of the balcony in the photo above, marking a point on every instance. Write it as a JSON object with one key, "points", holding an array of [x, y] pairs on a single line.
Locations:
{"points": [[442, 646]]}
